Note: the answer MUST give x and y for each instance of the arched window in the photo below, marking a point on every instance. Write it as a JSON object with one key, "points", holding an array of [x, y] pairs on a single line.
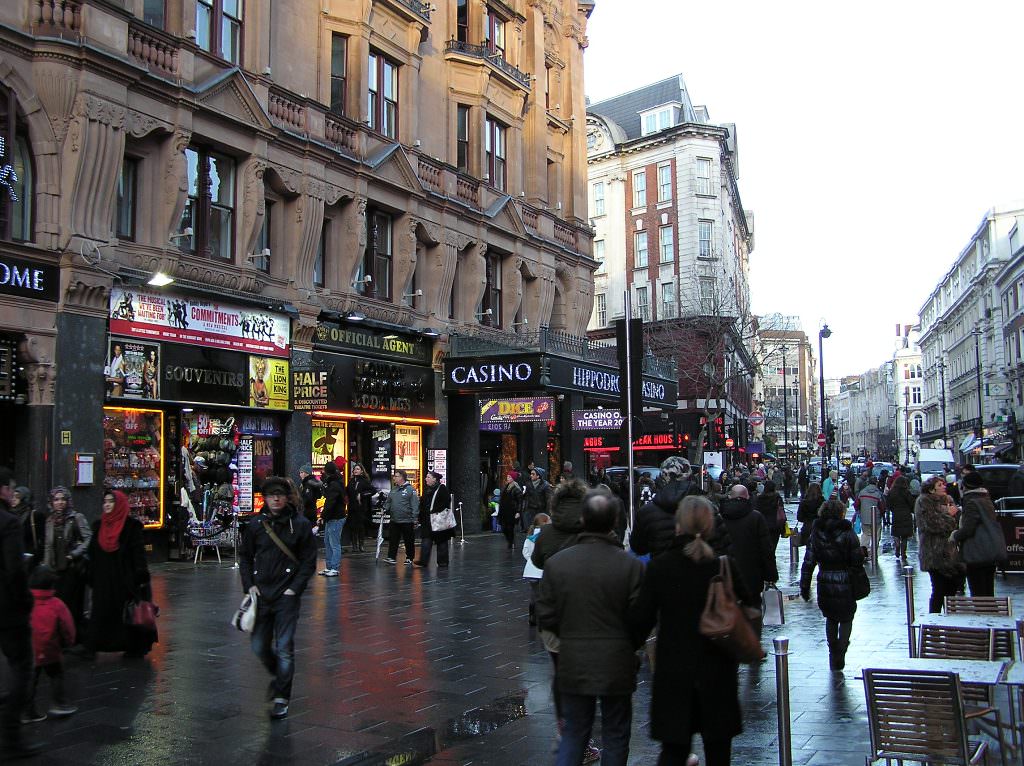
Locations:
{"points": [[16, 172], [918, 424]]}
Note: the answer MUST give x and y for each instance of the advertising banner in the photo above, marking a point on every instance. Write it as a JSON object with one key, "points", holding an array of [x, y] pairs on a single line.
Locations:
{"points": [[309, 390], [328, 443], [155, 316], [132, 370], [596, 420], [524, 410], [268, 382]]}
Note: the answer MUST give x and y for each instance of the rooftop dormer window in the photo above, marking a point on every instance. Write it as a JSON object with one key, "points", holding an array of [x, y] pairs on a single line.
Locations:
{"points": [[657, 119]]}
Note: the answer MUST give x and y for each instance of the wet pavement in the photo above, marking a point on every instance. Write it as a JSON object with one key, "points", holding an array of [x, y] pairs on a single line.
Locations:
{"points": [[399, 665]]}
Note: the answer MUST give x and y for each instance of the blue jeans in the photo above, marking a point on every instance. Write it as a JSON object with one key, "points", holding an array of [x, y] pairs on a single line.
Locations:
{"points": [[273, 641], [332, 542], [578, 714]]}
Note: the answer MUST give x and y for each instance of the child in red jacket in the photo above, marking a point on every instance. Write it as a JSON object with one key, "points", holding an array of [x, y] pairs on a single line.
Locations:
{"points": [[52, 630]]}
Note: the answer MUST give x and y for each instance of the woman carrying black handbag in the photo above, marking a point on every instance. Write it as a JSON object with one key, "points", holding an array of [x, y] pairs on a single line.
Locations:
{"points": [[981, 540], [835, 549]]}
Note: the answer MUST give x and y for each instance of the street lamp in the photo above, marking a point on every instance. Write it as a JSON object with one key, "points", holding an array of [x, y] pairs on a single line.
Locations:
{"points": [[785, 404], [906, 423], [942, 401], [981, 406], [823, 333]]}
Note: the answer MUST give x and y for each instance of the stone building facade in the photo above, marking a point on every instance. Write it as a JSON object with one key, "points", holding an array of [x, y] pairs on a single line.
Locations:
{"points": [[418, 167]]}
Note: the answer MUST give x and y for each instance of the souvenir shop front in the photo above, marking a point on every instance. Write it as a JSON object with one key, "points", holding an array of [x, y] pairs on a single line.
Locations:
{"points": [[196, 397], [370, 394]]}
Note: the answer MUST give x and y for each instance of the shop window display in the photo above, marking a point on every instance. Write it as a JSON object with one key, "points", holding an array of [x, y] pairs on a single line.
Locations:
{"points": [[133, 460]]}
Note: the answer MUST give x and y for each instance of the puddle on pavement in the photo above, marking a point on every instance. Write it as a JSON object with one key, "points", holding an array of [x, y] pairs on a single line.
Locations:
{"points": [[420, 746]]}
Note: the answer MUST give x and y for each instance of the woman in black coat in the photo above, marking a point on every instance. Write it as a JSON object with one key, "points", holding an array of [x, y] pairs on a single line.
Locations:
{"points": [[810, 502], [833, 548], [768, 504], [695, 685], [359, 493], [436, 498], [118, 574], [509, 505], [901, 506]]}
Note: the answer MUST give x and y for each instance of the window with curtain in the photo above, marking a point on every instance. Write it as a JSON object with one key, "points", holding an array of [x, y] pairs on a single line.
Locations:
{"points": [[379, 254], [210, 208], [382, 105], [127, 190], [339, 70], [667, 244], [640, 188], [219, 28], [640, 250], [705, 233], [495, 147]]}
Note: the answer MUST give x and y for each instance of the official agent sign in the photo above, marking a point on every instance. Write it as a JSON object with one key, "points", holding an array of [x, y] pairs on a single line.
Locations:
{"points": [[155, 316]]}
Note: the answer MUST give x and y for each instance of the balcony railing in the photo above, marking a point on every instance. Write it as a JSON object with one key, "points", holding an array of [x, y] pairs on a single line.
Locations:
{"points": [[62, 18], [492, 57], [422, 10], [153, 49]]}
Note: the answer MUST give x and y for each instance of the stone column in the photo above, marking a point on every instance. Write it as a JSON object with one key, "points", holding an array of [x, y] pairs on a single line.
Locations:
{"points": [[464, 456]]}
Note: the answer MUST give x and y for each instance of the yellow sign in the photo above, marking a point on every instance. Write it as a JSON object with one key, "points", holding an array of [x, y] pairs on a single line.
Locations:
{"points": [[268, 382], [65, 438]]}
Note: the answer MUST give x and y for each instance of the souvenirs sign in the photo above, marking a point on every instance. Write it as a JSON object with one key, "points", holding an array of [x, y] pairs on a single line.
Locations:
{"points": [[155, 316]]}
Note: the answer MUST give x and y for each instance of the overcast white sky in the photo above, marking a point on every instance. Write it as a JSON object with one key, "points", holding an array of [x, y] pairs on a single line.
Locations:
{"points": [[872, 139]]}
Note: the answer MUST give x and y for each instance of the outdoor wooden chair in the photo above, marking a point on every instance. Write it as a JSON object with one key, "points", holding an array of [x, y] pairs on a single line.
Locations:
{"points": [[1004, 640], [938, 642], [918, 716]]}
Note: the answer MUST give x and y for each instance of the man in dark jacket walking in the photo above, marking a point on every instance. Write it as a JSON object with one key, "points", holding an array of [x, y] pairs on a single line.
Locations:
{"points": [[276, 560], [312, 490], [751, 540], [585, 593], [566, 521], [15, 633]]}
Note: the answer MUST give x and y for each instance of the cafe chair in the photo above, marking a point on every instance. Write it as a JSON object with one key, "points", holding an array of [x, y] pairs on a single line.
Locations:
{"points": [[918, 716], [940, 642], [998, 605]]}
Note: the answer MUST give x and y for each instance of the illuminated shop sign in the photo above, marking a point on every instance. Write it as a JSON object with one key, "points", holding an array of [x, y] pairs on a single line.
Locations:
{"points": [[372, 385], [601, 380], [370, 341], [596, 420], [532, 410], [27, 279]]}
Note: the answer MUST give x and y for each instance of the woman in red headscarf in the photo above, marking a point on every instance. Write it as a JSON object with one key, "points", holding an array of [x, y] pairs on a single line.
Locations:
{"points": [[118, 574]]}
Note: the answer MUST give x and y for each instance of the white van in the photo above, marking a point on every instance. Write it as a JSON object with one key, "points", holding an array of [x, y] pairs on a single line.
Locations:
{"points": [[935, 462]]}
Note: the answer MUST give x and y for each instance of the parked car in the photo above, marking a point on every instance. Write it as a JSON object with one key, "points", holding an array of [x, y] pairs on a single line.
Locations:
{"points": [[618, 472], [877, 468]]}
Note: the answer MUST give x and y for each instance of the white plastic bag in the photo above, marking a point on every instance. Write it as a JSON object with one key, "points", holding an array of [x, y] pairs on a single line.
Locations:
{"points": [[772, 610]]}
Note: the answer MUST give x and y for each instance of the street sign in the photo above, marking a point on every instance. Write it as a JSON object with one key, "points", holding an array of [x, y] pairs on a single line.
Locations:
{"points": [[755, 419], [821, 440]]}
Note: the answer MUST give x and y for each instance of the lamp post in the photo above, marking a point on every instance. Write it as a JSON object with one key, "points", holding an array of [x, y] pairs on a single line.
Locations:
{"points": [[981, 406], [823, 333], [785, 404], [942, 401], [878, 435], [906, 424]]}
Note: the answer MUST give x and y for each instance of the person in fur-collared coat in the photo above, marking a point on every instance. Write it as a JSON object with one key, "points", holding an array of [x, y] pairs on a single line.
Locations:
{"points": [[936, 515]]}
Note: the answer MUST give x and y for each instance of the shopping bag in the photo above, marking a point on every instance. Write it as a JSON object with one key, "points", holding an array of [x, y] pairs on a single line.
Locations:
{"points": [[245, 617], [141, 614], [442, 520], [772, 610]]}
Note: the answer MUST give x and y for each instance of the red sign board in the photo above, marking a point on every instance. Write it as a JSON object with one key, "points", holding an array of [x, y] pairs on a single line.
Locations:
{"points": [[821, 440], [755, 419]]}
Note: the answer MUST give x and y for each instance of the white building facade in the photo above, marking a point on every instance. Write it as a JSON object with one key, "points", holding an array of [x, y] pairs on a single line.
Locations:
{"points": [[966, 380]]}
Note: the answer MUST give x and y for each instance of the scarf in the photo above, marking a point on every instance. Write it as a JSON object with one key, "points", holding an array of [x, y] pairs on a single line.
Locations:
{"points": [[112, 523]]}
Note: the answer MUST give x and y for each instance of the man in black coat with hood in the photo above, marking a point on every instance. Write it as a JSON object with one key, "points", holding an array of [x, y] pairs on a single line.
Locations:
{"points": [[751, 540], [655, 527]]}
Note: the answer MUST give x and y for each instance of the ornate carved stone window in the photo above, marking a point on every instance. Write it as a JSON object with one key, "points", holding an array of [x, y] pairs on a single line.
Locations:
{"points": [[16, 172]]}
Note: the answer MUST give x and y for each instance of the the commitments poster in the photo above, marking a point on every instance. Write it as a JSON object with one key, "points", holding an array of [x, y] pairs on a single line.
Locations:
{"points": [[268, 382], [132, 370]]}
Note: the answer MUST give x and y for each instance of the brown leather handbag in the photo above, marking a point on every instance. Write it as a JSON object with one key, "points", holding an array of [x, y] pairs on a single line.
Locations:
{"points": [[724, 622]]}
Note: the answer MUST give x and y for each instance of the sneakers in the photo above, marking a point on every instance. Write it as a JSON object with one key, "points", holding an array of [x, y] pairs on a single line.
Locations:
{"points": [[330, 573], [408, 562], [390, 560], [324, 573], [62, 711], [280, 709], [32, 716], [591, 753]]}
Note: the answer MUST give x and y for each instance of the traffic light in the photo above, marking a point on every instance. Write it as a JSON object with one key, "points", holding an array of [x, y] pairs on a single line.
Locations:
{"points": [[831, 433], [635, 352]]}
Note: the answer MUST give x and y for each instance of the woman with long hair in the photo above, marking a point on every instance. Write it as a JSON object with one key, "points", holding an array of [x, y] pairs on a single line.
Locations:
{"points": [[980, 537], [436, 498], [509, 507], [695, 685], [936, 515], [807, 512], [901, 506], [118, 574], [359, 493], [833, 547]]}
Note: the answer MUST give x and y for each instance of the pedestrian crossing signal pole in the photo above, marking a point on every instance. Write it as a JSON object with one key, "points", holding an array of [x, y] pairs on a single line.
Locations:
{"points": [[629, 348]]}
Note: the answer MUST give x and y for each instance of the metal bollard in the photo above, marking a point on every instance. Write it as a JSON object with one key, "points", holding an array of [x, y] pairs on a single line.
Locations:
{"points": [[908, 577], [782, 700], [875, 534], [794, 551]]}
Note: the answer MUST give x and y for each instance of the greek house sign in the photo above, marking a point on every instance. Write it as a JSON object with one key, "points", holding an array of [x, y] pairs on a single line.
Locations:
{"points": [[26, 279]]}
